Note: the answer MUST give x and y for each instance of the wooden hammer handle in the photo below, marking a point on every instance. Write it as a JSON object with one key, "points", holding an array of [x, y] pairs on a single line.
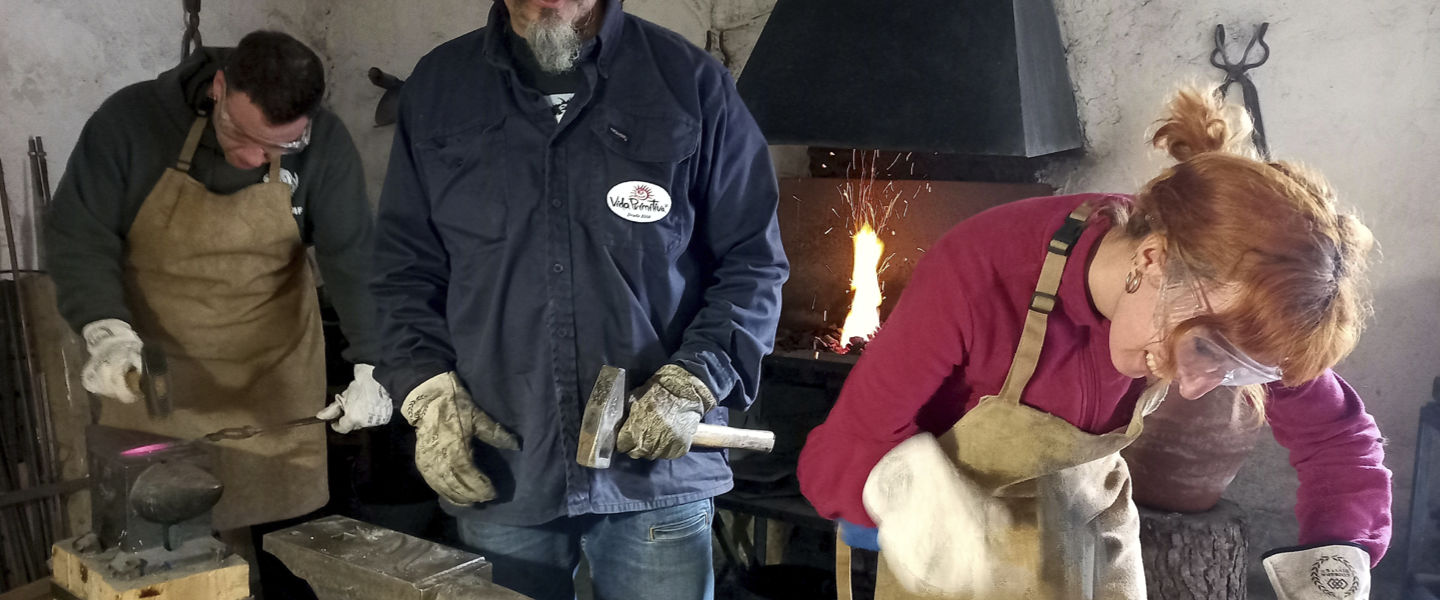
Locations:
{"points": [[715, 436]]}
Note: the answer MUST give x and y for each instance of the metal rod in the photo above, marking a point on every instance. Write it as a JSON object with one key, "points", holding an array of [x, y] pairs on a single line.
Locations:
{"points": [[44, 171], [9, 229], [14, 556], [33, 528], [40, 492], [37, 198], [50, 451], [42, 199]]}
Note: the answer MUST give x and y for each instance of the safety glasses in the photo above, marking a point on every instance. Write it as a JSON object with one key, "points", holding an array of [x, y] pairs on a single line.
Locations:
{"points": [[225, 123], [1204, 353]]}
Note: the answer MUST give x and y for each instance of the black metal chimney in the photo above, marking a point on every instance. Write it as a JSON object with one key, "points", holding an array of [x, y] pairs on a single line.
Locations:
{"points": [[957, 76]]}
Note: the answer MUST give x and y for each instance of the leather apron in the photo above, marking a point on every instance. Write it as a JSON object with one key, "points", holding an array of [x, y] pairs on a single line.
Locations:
{"points": [[1074, 532], [220, 283]]}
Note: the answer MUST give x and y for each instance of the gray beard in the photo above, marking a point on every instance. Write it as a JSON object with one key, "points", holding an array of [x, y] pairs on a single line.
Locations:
{"points": [[556, 44]]}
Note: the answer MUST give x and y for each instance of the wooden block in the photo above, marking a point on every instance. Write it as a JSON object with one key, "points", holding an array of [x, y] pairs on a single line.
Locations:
{"points": [[85, 578], [1201, 556]]}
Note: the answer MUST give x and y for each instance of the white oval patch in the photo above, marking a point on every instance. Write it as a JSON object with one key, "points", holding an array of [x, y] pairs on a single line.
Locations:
{"points": [[638, 201]]}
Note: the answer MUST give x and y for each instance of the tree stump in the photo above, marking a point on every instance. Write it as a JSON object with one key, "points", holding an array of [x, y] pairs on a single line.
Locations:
{"points": [[1200, 555]]}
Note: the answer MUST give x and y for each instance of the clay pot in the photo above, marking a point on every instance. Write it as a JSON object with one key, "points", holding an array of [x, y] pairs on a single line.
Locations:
{"points": [[1191, 450]]}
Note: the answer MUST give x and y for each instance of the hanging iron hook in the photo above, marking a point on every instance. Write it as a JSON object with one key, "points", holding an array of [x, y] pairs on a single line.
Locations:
{"points": [[1237, 72], [191, 40]]}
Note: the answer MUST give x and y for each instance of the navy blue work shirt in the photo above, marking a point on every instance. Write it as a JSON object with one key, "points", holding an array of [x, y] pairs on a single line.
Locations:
{"points": [[523, 253]]}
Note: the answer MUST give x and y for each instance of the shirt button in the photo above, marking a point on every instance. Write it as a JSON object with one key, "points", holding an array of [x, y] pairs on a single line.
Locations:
{"points": [[555, 202], [558, 268]]}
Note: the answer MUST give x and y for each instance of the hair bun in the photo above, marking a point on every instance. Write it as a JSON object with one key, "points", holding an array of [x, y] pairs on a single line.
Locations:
{"points": [[1197, 122], [1357, 239]]}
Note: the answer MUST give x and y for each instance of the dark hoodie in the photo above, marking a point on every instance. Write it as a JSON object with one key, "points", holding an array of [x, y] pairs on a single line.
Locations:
{"points": [[130, 141]]}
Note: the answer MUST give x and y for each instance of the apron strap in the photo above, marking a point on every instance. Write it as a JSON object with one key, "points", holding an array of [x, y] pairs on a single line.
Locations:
{"points": [[187, 151], [275, 168], [1042, 302], [842, 567]]}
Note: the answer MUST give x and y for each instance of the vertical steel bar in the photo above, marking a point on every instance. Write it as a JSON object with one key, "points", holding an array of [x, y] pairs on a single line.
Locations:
{"points": [[41, 170], [34, 526], [47, 470]]}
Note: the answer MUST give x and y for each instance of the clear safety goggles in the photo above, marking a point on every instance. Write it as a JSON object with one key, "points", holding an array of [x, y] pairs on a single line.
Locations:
{"points": [[1204, 353], [232, 129]]}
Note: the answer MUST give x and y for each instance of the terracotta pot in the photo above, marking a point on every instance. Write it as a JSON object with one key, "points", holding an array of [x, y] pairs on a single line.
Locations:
{"points": [[1191, 450]]}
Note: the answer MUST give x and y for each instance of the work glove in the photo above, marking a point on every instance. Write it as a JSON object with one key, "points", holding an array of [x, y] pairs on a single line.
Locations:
{"points": [[445, 420], [934, 521], [113, 370], [1333, 572], [364, 403], [663, 420]]}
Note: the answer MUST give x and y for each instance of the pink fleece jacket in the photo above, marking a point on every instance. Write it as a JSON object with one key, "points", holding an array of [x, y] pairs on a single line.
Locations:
{"points": [[950, 340]]}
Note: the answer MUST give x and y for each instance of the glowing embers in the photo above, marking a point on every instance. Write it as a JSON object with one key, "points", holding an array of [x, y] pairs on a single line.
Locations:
{"points": [[146, 449]]}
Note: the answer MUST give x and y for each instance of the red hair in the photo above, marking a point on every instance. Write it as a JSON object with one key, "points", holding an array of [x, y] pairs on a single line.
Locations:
{"points": [[1269, 231]]}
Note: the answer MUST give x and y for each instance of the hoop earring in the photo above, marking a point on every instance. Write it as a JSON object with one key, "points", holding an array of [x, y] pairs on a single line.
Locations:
{"points": [[1132, 281]]}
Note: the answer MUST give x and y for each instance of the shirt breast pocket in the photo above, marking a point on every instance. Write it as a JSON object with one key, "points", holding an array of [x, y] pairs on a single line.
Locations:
{"points": [[644, 172], [463, 170]]}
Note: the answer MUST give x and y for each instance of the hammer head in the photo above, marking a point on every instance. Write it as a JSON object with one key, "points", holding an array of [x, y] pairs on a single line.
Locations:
{"points": [[603, 413], [156, 381]]}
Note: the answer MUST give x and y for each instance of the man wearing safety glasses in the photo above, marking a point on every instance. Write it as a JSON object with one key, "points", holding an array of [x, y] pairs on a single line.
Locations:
{"points": [[181, 225]]}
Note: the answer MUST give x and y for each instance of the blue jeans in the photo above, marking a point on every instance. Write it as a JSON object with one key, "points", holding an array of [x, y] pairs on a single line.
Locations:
{"points": [[659, 554]]}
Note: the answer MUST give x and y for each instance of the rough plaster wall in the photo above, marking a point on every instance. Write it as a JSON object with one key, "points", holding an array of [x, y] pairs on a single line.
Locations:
{"points": [[1351, 89], [59, 59], [358, 34]]}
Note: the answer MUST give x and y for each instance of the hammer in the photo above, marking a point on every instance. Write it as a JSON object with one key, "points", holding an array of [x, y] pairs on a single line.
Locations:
{"points": [[605, 411], [152, 382]]}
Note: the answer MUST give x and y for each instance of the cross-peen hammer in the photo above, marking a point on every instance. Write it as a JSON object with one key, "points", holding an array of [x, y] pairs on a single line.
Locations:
{"points": [[605, 412]]}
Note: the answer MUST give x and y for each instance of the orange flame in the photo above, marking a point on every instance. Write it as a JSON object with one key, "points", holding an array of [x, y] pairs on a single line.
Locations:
{"points": [[864, 317]]}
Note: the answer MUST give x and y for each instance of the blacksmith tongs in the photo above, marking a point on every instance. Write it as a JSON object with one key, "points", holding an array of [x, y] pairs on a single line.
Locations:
{"points": [[1236, 73]]}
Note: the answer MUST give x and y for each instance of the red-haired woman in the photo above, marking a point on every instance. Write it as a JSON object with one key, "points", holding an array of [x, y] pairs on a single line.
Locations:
{"points": [[981, 428]]}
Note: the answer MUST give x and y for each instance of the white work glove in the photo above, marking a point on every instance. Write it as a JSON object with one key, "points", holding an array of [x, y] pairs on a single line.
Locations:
{"points": [[445, 420], [113, 370], [933, 522], [663, 420], [1334, 572], [364, 403]]}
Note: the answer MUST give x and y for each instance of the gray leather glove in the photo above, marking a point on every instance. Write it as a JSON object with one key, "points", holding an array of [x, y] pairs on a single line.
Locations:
{"points": [[663, 420], [445, 420], [1334, 572]]}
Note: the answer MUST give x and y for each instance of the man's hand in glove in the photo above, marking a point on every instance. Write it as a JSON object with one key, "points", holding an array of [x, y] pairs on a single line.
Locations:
{"points": [[113, 370], [363, 403], [664, 419], [445, 420], [1322, 572]]}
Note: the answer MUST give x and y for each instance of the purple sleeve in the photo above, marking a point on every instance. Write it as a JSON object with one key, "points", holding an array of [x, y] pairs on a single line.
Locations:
{"points": [[1337, 451]]}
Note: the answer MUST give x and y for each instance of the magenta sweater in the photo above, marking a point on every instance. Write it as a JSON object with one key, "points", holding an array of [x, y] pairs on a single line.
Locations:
{"points": [[950, 340]]}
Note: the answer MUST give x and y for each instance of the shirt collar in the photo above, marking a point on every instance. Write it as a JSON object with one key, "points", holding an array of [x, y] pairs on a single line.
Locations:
{"points": [[1075, 300]]}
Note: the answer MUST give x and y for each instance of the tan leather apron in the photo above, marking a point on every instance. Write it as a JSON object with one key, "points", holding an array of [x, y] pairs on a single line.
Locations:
{"points": [[220, 283], [1075, 533]]}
